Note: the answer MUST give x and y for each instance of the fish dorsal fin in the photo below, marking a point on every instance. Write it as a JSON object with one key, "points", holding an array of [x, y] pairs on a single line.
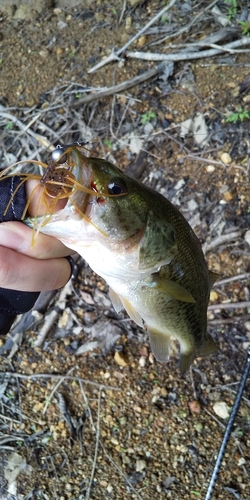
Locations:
{"points": [[172, 288], [213, 278], [159, 344], [133, 314], [116, 301]]}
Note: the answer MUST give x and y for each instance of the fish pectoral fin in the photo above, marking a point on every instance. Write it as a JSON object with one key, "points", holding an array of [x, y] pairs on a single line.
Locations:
{"points": [[213, 278], [159, 344], [209, 347], [172, 288], [133, 314], [116, 301]]}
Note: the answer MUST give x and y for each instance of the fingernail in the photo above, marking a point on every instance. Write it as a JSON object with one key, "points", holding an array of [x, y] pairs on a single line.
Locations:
{"points": [[11, 239]]}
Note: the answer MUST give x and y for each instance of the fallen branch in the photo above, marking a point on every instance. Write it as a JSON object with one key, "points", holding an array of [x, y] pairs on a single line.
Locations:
{"points": [[186, 28], [87, 496], [51, 318], [115, 55], [187, 56], [238, 277], [115, 89], [60, 377], [230, 305], [221, 240]]}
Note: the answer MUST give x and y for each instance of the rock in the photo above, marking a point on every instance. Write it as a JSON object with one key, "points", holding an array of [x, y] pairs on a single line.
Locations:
{"points": [[142, 361], [25, 13], [140, 465], [210, 168], [221, 409], [247, 239], [247, 323], [141, 41], [121, 359], [213, 296], [194, 406], [226, 158], [228, 196]]}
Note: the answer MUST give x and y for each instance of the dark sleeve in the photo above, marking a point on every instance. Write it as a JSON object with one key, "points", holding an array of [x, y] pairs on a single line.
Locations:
{"points": [[13, 302]]}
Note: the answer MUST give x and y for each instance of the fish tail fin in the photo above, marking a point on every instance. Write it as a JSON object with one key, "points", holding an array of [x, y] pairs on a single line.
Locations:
{"points": [[209, 347]]}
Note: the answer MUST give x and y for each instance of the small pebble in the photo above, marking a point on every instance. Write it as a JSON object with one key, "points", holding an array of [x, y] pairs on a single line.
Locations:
{"points": [[247, 239], [151, 358], [142, 361], [228, 196], [247, 325], [128, 22], [221, 409], [120, 359], [213, 296], [141, 41], [210, 168], [226, 158], [140, 465], [194, 406]]}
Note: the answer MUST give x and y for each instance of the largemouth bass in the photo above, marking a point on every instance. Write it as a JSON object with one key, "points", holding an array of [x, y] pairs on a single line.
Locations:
{"points": [[141, 245]]}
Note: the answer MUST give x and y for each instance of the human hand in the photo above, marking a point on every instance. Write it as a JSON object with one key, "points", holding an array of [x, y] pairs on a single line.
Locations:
{"points": [[32, 268]]}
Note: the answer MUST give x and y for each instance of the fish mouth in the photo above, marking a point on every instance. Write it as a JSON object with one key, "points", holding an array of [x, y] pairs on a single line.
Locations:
{"points": [[68, 180]]}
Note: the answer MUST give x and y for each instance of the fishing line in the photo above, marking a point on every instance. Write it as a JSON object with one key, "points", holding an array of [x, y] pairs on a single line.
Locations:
{"points": [[229, 428]]}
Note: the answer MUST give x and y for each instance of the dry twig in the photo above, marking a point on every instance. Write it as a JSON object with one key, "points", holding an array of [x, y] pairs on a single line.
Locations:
{"points": [[65, 377], [188, 56], [115, 89], [51, 318], [230, 305], [221, 240], [96, 447], [115, 55]]}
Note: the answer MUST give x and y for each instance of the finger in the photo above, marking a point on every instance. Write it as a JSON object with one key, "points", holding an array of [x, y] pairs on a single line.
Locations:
{"points": [[17, 236], [20, 272], [39, 202]]}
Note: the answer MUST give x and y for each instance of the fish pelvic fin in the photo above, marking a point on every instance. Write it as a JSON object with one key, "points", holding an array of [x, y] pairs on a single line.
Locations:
{"points": [[116, 301], [159, 344], [171, 288]]}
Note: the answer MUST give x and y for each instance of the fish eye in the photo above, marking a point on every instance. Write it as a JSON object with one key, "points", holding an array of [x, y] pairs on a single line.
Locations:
{"points": [[117, 186]]}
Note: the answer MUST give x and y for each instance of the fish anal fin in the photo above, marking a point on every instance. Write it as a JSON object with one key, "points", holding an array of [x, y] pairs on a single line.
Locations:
{"points": [[133, 314], [171, 288], [185, 361], [159, 344]]}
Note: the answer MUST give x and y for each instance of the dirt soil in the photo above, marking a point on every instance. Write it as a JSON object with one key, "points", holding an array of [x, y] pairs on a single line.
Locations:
{"points": [[111, 422]]}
